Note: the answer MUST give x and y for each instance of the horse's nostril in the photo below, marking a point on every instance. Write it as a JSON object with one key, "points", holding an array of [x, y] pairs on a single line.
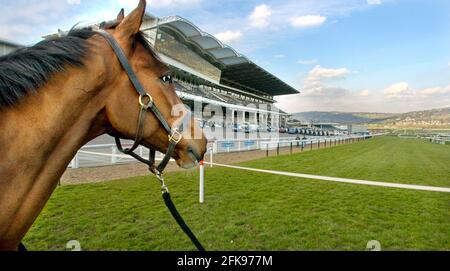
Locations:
{"points": [[194, 155]]}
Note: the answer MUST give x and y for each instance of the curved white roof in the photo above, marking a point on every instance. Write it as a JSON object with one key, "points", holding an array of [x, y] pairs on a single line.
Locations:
{"points": [[237, 70], [207, 43]]}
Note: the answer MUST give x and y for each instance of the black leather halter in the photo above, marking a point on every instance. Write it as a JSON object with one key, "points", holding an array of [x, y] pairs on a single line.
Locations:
{"points": [[174, 135]]}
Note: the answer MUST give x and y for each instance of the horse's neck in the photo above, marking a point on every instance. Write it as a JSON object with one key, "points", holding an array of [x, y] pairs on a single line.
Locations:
{"points": [[38, 140]]}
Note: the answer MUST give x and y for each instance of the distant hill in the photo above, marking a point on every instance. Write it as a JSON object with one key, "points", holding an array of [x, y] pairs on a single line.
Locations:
{"points": [[441, 114], [340, 117], [433, 117]]}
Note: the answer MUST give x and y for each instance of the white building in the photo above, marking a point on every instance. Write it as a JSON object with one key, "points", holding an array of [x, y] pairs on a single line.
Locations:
{"points": [[7, 47]]}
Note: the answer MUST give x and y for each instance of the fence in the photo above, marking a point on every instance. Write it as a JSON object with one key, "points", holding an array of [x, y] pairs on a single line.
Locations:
{"points": [[438, 140], [103, 155], [237, 145], [108, 154], [311, 142]]}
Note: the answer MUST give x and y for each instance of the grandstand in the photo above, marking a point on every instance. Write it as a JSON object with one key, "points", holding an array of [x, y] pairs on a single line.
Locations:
{"points": [[209, 72]]}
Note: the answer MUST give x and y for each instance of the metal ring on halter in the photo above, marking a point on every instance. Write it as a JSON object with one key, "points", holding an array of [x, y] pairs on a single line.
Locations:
{"points": [[150, 101], [175, 136]]}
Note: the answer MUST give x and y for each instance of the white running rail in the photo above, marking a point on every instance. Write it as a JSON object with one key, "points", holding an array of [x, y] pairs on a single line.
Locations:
{"points": [[108, 154]]}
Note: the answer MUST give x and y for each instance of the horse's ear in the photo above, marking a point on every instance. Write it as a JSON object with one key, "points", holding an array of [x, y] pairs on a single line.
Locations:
{"points": [[131, 24], [121, 16]]}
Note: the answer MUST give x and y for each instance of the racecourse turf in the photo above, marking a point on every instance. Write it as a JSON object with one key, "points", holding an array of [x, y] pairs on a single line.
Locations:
{"points": [[256, 211]]}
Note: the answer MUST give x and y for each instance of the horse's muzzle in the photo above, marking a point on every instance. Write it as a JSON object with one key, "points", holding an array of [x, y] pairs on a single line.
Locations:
{"points": [[194, 155]]}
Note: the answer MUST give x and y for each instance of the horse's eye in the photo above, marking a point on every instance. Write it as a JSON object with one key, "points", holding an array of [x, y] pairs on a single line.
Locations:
{"points": [[167, 78]]}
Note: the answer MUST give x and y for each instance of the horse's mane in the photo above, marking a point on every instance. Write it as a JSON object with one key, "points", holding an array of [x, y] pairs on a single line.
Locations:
{"points": [[27, 69]]}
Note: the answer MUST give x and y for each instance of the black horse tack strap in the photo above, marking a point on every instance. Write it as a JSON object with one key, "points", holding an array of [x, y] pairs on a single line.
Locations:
{"points": [[176, 215], [174, 135]]}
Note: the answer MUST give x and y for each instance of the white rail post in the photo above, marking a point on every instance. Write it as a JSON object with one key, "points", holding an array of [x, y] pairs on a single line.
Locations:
{"points": [[113, 156], [202, 182], [211, 157], [76, 161], [215, 147]]}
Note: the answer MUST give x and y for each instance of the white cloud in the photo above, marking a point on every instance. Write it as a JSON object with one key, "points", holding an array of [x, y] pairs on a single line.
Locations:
{"points": [[434, 91], [229, 36], [397, 90], [308, 61], [279, 56], [319, 72], [308, 21], [374, 2], [364, 93], [322, 90], [259, 18], [314, 83], [402, 90], [73, 2], [28, 20]]}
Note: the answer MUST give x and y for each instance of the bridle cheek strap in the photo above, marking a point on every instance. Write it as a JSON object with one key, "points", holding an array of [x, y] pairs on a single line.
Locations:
{"points": [[173, 133]]}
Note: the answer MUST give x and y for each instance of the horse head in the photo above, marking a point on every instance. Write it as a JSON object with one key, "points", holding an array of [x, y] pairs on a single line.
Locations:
{"points": [[122, 104]]}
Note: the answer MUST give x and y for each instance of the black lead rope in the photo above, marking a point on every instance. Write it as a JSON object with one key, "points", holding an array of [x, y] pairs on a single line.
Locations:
{"points": [[21, 247], [176, 215]]}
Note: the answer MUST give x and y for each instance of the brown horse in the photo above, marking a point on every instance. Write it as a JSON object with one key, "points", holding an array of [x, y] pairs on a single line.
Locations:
{"points": [[63, 92]]}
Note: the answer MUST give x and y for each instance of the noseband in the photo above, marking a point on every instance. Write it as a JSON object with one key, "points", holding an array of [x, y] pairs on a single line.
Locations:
{"points": [[174, 135]]}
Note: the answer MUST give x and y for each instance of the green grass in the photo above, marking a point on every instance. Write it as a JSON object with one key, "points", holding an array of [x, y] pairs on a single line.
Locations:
{"points": [[252, 211], [388, 159]]}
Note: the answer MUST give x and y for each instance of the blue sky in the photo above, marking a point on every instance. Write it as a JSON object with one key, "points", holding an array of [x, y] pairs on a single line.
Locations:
{"points": [[344, 55]]}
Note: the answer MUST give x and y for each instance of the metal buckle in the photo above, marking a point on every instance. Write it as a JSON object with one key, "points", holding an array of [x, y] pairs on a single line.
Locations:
{"points": [[159, 176], [175, 137], [150, 101]]}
